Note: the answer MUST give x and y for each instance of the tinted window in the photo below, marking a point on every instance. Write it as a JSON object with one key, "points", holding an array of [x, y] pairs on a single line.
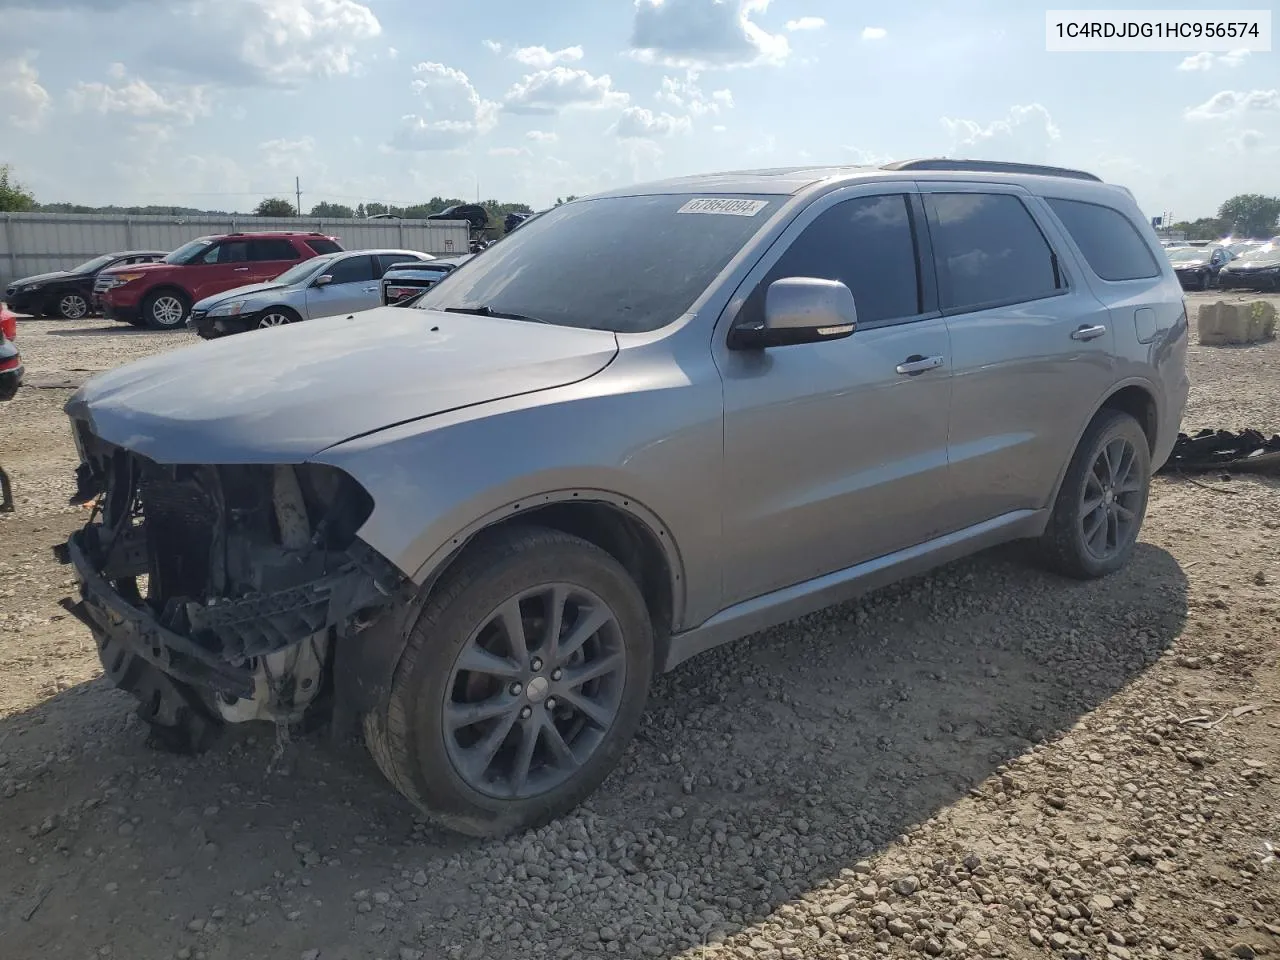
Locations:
{"points": [[867, 244], [277, 249], [387, 260], [352, 270], [231, 251], [988, 250], [626, 264], [1109, 242], [321, 245]]}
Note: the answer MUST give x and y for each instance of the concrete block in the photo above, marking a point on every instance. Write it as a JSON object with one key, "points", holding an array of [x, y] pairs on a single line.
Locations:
{"points": [[1224, 323]]}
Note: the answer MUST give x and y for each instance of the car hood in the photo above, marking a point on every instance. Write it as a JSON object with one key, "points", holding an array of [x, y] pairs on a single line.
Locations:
{"points": [[1255, 263], [1184, 264], [286, 393], [247, 290], [138, 268], [43, 278]]}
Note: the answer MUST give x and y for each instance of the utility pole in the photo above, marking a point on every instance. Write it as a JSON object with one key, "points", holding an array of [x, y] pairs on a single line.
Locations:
{"points": [[297, 189]]}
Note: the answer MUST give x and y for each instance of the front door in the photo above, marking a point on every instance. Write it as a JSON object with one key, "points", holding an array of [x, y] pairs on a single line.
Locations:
{"points": [[836, 452], [1030, 344], [224, 266], [352, 288]]}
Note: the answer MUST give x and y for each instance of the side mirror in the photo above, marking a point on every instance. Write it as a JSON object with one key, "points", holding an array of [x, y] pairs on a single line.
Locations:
{"points": [[800, 310], [323, 280]]}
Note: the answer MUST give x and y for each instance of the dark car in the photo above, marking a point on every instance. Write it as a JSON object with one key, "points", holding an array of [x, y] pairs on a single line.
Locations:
{"points": [[1256, 269], [473, 213], [69, 293], [402, 283], [1197, 267], [10, 379]]}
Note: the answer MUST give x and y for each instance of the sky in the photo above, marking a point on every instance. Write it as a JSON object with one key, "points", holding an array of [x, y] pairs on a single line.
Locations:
{"points": [[219, 103]]}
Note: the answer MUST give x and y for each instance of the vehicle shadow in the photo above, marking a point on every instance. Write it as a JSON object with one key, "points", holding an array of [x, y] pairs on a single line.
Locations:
{"points": [[114, 329], [763, 770]]}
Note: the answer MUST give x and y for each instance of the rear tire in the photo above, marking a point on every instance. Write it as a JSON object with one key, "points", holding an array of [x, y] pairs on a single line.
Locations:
{"points": [[165, 309], [1099, 509], [544, 738]]}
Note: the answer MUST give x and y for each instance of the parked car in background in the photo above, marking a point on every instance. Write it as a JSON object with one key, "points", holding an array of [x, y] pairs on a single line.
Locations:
{"points": [[405, 281], [160, 295], [1255, 269], [646, 424], [1197, 267], [346, 282], [69, 293], [10, 380], [1239, 248]]}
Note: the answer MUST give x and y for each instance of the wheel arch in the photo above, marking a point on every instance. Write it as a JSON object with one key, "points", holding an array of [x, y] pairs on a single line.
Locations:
{"points": [[621, 526], [282, 308], [1135, 397]]}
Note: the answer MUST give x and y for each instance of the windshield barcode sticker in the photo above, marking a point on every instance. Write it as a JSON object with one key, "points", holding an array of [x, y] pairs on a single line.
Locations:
{"points": [[725, 206]]}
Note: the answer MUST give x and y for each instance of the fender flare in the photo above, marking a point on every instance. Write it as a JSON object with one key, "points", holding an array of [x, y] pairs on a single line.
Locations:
{"points": [[365, 664]]}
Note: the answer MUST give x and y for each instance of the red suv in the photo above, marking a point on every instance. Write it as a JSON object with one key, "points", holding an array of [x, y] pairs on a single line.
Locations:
{"points": [[160, 295]]}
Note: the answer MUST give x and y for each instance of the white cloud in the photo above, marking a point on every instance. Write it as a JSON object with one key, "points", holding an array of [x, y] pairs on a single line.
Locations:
{"points": [[493, 46], [23, 101], [1247, 142], [863, 157], [689, 96], [1023, 135], [271, 41], [719, 128], [1207, 61], [640, 122], [285, 153], [1229, 103], [705, 33], [874, 33], [392, 53], [456, 113], [549, 91], [510, 152], [541, 58], [134, 97], [806, 23], [542, 136]]}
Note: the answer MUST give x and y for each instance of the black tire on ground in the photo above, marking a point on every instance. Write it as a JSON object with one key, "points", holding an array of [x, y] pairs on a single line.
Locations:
{"points": [[409, 736], [1107, 482], [165, 310], [72, 306]]}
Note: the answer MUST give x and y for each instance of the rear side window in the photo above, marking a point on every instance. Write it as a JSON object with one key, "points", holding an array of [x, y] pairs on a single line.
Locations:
{"points": [[989, 251], [867, 244], [1109, 242], [323, 245], [273, 249], [388, 260], [352, 270]]}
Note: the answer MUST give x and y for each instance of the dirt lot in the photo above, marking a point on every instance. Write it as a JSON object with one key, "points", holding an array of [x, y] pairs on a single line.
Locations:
{"points": [[986, 762]]}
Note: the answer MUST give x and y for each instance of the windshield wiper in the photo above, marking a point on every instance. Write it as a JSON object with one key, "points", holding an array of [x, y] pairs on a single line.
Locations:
{"points": [[487, 311]]}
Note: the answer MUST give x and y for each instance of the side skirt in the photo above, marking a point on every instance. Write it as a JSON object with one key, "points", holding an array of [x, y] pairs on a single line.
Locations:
{"points": [[780, 606]]}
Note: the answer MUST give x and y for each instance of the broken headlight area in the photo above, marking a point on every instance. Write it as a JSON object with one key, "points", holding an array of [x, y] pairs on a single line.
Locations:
{"points": [[222, 588]]}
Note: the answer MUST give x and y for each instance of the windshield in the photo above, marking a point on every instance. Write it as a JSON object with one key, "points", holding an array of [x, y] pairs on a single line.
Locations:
{"points": [[187, 251], [1184, 254], [1270, 251], [300, 271], [89, 266], [624, 264]]}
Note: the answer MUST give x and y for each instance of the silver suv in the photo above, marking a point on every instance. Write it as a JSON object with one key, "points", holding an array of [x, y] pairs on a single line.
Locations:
{"points": [[642, 425], [345, 282]]}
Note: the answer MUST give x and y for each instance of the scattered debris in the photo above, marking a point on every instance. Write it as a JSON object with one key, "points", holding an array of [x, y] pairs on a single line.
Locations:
{"points": [[1216, 450]]}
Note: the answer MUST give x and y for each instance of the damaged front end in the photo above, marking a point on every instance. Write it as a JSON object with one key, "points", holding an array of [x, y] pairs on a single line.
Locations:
{"points": [[220, 592]]}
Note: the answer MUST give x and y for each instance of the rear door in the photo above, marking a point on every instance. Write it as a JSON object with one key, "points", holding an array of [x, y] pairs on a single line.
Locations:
{"points": [[1031, 346], [271, 256], [352, 287]]}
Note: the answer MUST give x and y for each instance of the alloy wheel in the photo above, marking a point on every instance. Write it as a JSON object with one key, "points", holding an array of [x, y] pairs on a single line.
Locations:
{"points": [[534, 691], [274, 320], [1111, 499], [167, 311], [73, 306]]}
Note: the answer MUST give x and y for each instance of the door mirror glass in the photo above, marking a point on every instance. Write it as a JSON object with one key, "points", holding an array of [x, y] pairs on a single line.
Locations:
{"points": [[323, 280], [800, 310]]}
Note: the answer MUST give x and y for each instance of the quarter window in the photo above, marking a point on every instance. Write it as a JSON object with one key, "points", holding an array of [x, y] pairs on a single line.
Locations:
{"points": [[322, 245], [868, 244], [1109, 242], [989, 251]]}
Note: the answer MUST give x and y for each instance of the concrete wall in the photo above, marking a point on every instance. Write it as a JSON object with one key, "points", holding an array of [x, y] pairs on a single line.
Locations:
{"points": [[1223, 323], [33, 243]]}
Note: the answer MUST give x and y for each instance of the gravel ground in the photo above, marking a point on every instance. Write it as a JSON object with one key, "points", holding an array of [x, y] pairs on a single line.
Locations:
{"points": [[989, 761]]}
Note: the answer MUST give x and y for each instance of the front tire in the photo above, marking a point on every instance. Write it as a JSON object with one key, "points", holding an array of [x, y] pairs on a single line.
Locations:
{"points": [[72, 306], [277, 317], [165, 309], [1099, 510], [522, 681]]}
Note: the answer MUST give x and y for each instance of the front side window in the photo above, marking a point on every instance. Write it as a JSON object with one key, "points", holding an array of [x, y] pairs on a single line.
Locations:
{"points": [[1110, 243], [989, 251], [352, 270], [189, 252], [230, 251], [867, 243], [624, 264]]}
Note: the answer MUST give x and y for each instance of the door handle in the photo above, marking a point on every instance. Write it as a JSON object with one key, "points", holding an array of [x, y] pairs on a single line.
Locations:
{"points": [[241, 270], [1088, 333], [370, 289], [918, 364]]}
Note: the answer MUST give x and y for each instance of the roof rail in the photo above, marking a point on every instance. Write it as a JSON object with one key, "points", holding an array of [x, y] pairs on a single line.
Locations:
{"points": [[990, 166]]}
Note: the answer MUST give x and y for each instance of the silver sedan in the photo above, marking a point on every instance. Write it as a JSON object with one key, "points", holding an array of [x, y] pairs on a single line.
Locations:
{"points": [[345, 282]]}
